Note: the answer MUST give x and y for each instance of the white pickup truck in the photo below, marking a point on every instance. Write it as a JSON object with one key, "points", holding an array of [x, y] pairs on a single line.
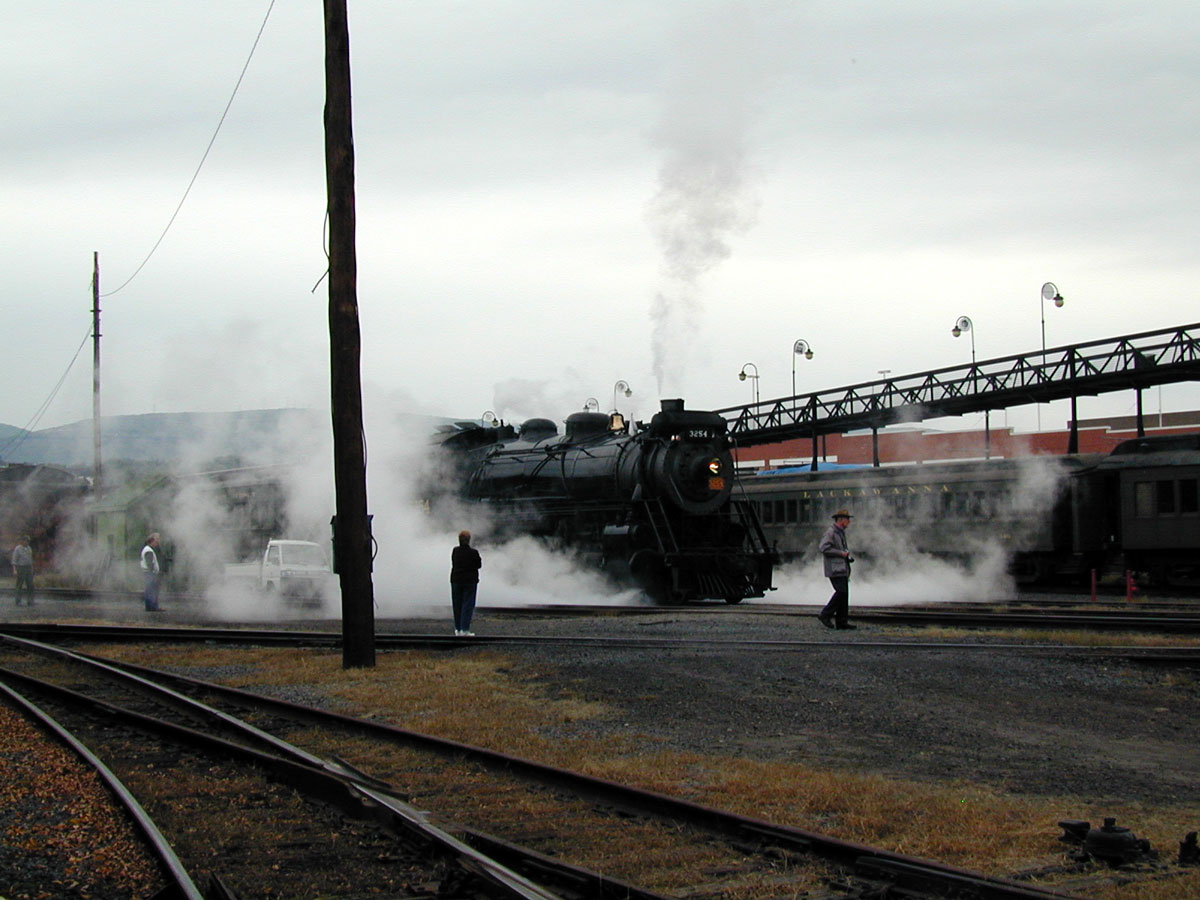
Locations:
{"points": [[297, 570]]}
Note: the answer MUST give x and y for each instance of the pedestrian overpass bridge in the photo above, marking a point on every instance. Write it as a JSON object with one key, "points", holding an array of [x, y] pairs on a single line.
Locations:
{"points": [[1132, 362]]}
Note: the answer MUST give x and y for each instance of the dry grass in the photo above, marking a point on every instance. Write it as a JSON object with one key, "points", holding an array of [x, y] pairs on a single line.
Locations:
{"points": [[491, 700]]}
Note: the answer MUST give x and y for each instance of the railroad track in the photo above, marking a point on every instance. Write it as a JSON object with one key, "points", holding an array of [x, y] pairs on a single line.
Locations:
{"points": [[254, 814], [1185, 656], [201, 748]]}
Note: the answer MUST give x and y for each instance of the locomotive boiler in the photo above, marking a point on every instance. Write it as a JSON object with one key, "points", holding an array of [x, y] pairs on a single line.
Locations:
{"points": [[651, 504]]}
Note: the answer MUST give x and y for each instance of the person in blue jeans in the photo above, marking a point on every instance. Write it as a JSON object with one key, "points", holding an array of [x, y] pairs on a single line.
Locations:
{"points": [[465, 564]]}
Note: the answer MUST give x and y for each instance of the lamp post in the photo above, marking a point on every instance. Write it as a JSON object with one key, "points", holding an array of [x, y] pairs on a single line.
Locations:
{"points": [[489, 418], [800, 348], [591, 404], [1049, 292], [743, 375], [621, 387], [964, 324]]}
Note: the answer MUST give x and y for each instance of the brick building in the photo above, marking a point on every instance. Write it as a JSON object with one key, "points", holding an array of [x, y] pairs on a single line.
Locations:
{"points": [[914, 444]]}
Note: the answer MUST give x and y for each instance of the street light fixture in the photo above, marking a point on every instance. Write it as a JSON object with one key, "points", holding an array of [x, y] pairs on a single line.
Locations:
{"points": [[743, 375], [591, 404], [964, 324], [489, 418], [1049, 292], [621, 387], [800, 348]]}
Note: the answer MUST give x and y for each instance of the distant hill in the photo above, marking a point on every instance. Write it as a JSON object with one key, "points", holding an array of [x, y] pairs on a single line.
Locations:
{"points": [[263, 435]]}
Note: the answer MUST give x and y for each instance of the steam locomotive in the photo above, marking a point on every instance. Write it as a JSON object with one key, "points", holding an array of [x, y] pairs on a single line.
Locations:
{"points": [[650, 504]]}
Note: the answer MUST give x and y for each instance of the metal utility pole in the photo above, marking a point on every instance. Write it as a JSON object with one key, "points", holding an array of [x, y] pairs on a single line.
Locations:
{"points": [[351, 537], [96, 466]]}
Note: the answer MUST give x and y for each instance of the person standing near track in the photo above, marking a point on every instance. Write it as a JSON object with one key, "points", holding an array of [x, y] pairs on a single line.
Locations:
{"points": [[465, 564], [150, 572], [22, 565], [836, 552]]}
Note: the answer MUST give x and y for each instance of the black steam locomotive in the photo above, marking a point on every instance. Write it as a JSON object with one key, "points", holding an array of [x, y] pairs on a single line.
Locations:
{"points": [[650, 504]]}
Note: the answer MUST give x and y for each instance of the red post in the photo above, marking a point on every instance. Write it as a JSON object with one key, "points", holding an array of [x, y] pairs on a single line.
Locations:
{"points": [[1093, 585]]}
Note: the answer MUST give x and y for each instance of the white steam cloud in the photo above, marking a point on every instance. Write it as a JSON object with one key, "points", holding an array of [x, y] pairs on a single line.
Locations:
{"points": [[412, 563], [702, 197], [895, 563], [412, 570]]}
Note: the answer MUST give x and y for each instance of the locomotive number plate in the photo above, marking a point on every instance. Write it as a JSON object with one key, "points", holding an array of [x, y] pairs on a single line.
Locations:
{"points": [[716, 484]]}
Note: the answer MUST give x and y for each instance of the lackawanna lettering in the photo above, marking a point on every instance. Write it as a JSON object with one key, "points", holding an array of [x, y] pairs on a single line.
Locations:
{"points": [[896, 490]]}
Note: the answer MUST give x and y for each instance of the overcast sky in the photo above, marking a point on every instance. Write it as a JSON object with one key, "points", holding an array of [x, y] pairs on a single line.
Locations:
{"points": [[554, 196]]}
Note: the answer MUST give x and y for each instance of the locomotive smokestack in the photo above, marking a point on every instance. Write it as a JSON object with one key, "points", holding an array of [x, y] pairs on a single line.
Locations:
{"points": [[672, 406]]}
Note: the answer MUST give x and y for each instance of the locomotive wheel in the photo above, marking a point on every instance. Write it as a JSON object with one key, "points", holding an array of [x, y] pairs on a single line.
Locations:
{"points": [[733, 600], [648, 571]]}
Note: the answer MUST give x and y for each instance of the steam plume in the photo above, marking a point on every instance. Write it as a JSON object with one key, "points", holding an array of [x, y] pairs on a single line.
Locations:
{"points": [[701, 199]]}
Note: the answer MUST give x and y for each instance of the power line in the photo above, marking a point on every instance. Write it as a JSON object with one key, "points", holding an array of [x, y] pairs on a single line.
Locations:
{"points": [[211, 141], [27, 430]]}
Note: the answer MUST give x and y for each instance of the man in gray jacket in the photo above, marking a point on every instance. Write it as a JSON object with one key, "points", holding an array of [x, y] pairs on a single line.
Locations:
{"points": [[837, 556]]}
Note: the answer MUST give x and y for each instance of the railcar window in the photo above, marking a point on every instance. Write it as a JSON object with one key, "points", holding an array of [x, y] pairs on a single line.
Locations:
{"points": [[1189, 499], [792, 515], [806, 510], [768, 508], [1165, 494], [780, 508], [1143, 499], [947, 505]]}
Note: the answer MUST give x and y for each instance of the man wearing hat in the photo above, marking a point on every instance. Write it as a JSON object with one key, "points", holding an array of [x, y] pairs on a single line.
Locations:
{"points": [[837, 569]]}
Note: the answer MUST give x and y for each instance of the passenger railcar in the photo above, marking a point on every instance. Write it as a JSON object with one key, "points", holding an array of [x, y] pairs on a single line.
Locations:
{"points": [[652, 504], [953, 510], [1135, 509], [1142, 502]]}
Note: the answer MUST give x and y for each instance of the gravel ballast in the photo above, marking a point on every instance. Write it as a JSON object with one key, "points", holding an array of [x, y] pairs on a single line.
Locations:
{"points": [[1021, 718]]}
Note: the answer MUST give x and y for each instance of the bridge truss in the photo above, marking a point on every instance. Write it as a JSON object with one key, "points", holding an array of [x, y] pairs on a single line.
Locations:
{"points": [[1135, 361]]}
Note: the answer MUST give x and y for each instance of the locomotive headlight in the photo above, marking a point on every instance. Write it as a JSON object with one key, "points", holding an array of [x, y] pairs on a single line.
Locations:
{"points": [[714, 466]]}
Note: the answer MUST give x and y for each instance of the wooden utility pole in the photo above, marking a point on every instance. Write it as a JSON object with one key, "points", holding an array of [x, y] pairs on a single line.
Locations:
{"points": [[97, 469], [352, 531]]}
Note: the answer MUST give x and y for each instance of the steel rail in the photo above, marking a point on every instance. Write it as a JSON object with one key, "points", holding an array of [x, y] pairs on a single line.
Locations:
{"points": [[1130, 620], [180, 883], [347, 793], [386, 641], [369, 791], [906, 869], [1115, 619]]}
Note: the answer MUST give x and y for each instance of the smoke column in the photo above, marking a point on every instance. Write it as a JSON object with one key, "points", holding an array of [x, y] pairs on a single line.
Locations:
{"points": [[702, 192]]}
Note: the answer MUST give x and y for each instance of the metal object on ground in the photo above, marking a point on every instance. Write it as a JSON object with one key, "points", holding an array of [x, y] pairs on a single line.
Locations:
{"points": [[1116, 845], [1075, 831], [1189, 851]]}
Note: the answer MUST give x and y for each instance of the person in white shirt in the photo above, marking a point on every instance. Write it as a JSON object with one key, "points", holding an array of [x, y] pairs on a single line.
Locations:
{"points": [[22, 564], [150, 572]]}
